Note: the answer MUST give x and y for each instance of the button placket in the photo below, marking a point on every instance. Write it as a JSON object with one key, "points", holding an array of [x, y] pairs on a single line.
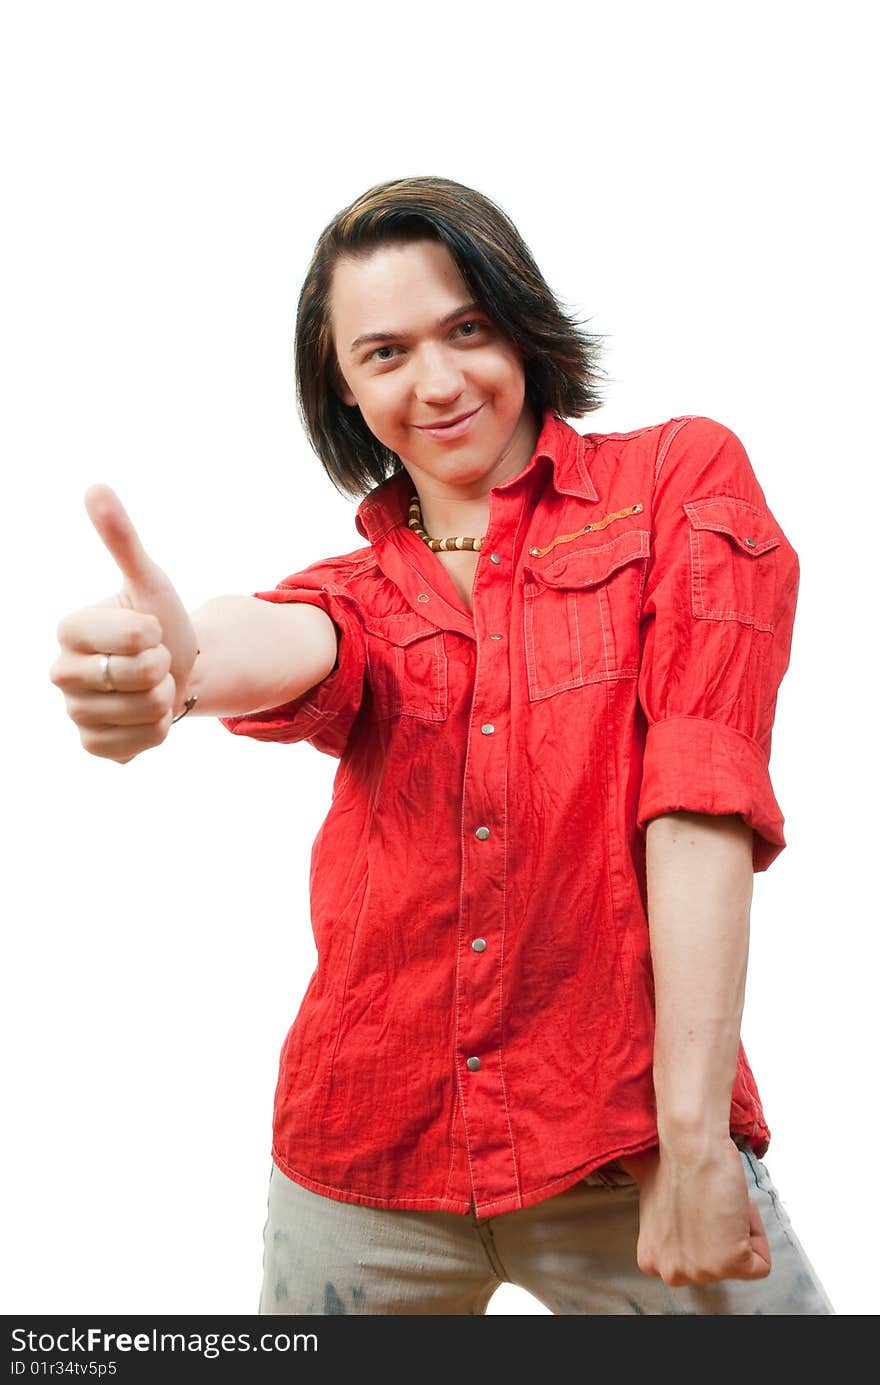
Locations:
{"points": [[486, 1130]]}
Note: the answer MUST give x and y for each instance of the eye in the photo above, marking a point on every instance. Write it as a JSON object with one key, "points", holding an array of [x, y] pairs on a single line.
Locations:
{"points": [[477, 326], [473, 323]]}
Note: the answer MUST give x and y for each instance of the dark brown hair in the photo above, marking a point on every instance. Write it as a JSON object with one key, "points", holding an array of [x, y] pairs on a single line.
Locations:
{"points": [[559, 357]]}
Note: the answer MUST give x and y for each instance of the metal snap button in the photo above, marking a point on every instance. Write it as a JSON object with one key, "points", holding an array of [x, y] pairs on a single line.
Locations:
{"points": [[481, 833], [479, 944], [473, 1064]]}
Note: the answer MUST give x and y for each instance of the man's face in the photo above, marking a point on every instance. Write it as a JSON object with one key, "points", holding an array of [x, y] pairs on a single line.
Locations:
{"points": [[443, 357]]}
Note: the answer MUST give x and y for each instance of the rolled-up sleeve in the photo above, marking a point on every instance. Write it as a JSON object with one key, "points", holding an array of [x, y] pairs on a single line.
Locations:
{"points": [[717, 617], [324, 714]]}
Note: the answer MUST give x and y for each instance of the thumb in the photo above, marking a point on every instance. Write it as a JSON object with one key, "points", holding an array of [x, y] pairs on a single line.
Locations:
{"points": [[760, 1245], [109, 517]]}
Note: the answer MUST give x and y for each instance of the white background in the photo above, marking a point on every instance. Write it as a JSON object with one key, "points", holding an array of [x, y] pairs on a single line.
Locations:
{"points": [[697, 182]]}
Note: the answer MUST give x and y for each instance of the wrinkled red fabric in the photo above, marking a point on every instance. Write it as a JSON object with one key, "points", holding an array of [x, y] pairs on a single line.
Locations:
{"points": [[478, 1029]]}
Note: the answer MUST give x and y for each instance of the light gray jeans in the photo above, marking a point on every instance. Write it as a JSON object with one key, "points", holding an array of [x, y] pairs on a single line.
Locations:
{"points": [[575, 1253]]}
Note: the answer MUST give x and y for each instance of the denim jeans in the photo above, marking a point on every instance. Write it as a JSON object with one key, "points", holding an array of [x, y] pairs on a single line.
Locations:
{"points": [[574, 1252]]}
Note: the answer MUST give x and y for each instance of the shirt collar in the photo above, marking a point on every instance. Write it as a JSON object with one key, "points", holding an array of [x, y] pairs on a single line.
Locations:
{"points": [[387, 504]]}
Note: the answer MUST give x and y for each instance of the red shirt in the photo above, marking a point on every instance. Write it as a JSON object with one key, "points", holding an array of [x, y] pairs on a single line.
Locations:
{"points": [[478, 1029]]}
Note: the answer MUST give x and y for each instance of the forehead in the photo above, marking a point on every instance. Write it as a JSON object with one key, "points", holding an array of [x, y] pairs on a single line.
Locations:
{"points": [[403, 278]]}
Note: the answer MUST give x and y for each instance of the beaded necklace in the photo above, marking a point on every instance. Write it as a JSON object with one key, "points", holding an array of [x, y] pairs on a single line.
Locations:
{"points": [[438, 545]]}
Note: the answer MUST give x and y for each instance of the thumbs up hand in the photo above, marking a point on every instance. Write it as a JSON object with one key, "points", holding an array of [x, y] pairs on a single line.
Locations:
{"points": [[145, 587], [147, 632]]}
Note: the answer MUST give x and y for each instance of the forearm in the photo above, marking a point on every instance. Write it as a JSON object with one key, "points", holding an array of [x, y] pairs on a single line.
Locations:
{"points": [[255, 654], [699, 879]]}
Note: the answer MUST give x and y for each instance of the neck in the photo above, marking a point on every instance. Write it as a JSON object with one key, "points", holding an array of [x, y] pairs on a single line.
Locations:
{"points": [[447, 514], [443, 519]]}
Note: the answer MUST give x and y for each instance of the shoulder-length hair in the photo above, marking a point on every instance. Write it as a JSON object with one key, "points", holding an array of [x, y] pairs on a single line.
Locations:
{"points": [[559, 356]]}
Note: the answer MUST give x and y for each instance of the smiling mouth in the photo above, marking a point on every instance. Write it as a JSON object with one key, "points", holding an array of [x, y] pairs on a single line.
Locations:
{"points": [[450, 422]]}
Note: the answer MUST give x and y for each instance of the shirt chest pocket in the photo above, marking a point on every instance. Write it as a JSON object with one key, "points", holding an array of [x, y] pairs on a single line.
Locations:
{"points": [[581, 615], [407, 667], [735, 549]]}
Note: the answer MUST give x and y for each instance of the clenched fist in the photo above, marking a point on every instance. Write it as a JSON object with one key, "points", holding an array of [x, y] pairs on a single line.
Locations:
{"points": [[147, 632]]}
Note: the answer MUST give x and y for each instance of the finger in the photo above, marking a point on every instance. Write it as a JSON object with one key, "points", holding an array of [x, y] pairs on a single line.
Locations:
{"points": [[758, 1237], [105, 673], [84, 673], [122, 743], [753, 1261], [119, 535], [109, 630], [106, 710]]}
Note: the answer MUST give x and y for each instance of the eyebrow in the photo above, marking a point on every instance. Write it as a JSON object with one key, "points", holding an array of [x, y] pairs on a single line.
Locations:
{"points": [[401, 336]]}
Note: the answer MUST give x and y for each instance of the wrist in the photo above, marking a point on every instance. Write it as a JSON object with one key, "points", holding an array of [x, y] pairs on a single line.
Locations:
{"points": [[691, 1135], [187, 697], [188, 705]]}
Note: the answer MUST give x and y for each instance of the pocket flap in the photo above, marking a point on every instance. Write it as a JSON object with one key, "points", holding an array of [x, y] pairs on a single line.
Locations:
{"points": [[586, 567], [401, 627], [753, 530]]}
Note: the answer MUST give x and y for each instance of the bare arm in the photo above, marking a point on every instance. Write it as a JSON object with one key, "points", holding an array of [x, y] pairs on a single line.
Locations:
{"points": [[700, 877], [697, 1222], [255, 654], [127, 664]]}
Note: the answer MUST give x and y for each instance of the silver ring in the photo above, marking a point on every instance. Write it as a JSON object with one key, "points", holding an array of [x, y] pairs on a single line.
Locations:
{"points": [[105, 674]]}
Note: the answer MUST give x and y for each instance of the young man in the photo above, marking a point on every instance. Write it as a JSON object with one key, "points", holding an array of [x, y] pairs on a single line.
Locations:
{"points": [[550, 677]]}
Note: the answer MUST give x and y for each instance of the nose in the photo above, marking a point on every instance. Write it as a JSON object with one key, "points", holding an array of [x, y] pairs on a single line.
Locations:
{"points": [[439, 377]]}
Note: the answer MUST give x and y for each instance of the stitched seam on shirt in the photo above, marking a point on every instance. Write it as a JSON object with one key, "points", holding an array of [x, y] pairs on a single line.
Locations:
{"points": [[451, 1145], [620, 931], [332, 1187], [400, 688], [500, 989], [441, 664], [457, 1029], [697, 580], [319, 713], [554, 1182], [596, 442], [362, 565], [378, 505], [332, 588], [380, 1202], [663, 448], [593, 527], [587, 487], [427, 583], [604, 609], [570, 600], [734, 730], [572, 604], [536, 687], [513, 594], [460, 931], [354, 932]]}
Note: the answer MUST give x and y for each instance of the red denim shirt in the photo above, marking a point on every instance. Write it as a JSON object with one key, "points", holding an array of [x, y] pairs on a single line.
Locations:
{"points": [[478, 1029]]}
